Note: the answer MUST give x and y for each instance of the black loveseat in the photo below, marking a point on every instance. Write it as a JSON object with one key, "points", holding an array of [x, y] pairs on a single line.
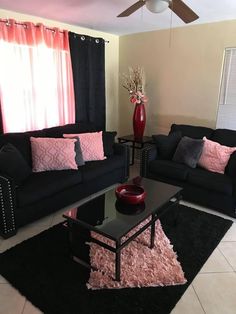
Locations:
{"points": [[210, 189], [45, 192]]}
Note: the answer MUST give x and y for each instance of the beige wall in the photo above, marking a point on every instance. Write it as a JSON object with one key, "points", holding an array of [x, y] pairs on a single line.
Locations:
{"points": [[183, 78], [112, 60]]}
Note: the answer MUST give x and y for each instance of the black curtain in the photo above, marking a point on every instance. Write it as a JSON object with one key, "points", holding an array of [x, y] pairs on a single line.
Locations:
{"points": [[88, 65]]}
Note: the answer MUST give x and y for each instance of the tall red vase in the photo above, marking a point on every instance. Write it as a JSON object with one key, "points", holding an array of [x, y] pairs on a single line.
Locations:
{"points": [[139, 121]]}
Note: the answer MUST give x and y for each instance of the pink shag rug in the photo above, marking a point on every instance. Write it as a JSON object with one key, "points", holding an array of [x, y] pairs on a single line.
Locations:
{"points": [[140, 265]]}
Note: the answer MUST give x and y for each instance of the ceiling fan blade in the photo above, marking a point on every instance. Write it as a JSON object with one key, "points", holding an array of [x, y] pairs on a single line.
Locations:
{"points": [[183, 11], [132, 8]]}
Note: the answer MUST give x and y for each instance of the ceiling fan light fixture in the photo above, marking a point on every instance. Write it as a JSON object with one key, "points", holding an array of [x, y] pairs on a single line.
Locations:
{"points": [[157, 6]]}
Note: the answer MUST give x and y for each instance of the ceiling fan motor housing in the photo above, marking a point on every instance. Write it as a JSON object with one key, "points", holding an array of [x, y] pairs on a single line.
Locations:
{"points": [[157, 6]]}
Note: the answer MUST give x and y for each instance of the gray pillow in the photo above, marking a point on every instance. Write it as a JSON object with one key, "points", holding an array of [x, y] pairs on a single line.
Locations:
{"points": [[79, 156], [188, 151]]}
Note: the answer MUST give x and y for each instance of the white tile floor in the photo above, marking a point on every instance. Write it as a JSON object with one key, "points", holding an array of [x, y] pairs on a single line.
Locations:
{"points": [[212, 291]]}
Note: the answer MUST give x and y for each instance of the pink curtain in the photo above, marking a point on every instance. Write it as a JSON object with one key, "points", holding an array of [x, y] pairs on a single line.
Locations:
{"points": [[36, 83]]}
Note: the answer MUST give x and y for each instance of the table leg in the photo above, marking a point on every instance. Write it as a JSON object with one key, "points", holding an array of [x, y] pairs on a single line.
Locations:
{"points": [[152, 233], [117, 266]]}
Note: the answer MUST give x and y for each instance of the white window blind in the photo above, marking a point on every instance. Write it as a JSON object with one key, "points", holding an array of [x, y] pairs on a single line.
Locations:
{"points": [[226, 117]]}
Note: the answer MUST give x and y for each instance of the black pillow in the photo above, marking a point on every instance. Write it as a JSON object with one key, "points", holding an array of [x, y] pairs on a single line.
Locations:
{"points": [[188, 151], [13, 164], [108, 139], [166, 144]]}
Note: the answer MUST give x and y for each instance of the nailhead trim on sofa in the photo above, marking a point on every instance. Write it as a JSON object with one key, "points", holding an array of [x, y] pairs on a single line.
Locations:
{"points": [[7, 226]]}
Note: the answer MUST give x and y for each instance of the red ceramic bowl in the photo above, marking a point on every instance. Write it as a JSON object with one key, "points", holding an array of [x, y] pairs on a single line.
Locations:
{"points": [[130, 193]]}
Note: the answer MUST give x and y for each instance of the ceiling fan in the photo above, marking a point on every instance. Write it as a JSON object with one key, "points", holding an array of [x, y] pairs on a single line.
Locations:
{"points": [[157, 6]]}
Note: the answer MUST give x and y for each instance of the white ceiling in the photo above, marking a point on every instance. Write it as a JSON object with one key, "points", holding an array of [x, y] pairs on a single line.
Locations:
{"points": [[101, 14]]}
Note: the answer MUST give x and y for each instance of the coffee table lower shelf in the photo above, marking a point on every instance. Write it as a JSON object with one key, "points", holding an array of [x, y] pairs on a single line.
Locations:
{"points": [[119, 245]]}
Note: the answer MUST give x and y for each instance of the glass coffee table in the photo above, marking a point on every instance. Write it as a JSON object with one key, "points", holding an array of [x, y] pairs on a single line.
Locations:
{"points": [[114, 220]]}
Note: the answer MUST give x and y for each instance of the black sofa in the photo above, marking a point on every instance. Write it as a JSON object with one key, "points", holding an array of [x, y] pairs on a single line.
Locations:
{"points": [[210, 189], [45, 192]]}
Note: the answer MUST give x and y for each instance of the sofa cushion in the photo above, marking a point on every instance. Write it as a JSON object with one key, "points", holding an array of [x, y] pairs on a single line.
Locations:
{"points": [[188, 151], [166, 144], [94, 169], [41, 185], [192, 131], [108, 139], [169, 169], [210, 180], [224, 137], [13, 164]]}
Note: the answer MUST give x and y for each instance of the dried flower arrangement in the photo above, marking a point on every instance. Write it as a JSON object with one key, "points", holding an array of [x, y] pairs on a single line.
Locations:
{"points": [[134, 82]]}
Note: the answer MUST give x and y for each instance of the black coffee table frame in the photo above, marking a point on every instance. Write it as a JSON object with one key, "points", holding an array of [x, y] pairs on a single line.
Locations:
{"points": [[118, 244]]}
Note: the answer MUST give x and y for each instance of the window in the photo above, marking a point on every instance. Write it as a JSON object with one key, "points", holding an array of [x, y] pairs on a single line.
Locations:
{"points": [[226, 117], [36, 85]]}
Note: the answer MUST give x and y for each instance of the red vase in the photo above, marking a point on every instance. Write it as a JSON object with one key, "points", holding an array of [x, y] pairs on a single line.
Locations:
{"points": [[139, 121]]}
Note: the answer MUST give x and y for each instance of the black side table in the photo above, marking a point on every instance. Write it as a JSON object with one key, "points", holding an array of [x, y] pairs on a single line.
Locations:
{"points": [[135, 144]]}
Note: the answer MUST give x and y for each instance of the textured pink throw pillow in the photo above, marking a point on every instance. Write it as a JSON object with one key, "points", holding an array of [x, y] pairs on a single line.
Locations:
{"points": [[215, 156], [53, 154], [91, 145]]}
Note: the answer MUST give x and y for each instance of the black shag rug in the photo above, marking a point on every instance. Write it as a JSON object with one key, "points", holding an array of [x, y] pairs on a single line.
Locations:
{"points": [[40, 268]]}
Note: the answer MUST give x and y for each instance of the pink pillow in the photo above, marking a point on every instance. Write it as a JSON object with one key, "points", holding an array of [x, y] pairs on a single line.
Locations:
{"points": [[53, 154], [215, 156], [91, 145]]}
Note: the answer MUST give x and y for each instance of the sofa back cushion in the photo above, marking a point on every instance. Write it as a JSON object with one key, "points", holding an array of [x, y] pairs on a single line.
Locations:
{"points": [[224, 137], [21, 140], [81, 127], [197, 132]]}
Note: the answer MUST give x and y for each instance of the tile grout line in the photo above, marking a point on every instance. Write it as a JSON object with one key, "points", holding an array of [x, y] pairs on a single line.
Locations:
{"points": [[218, 247], [23, 309], [198, 297], [217, 272], [227, 260]]}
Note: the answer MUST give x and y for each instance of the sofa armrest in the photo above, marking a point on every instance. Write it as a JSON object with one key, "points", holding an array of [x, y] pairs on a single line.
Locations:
{"points": [[148, 154], [121, 149], [230, 169], [7, 207]]}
